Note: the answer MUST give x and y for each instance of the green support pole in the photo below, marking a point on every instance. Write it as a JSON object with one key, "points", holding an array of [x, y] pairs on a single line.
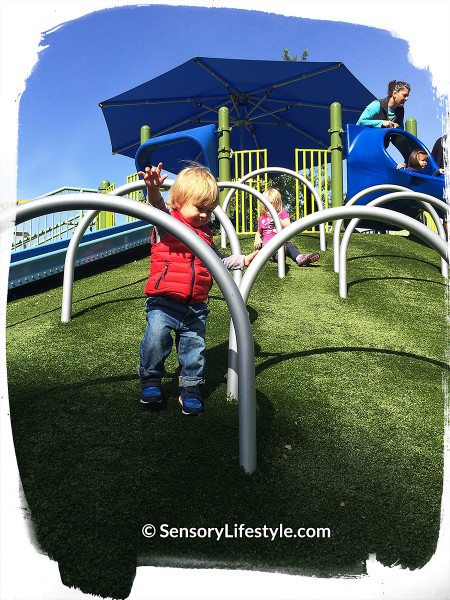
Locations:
{"points": [[103, 218], [145, 134], [336, 148], [411, 126], [224, 150]]}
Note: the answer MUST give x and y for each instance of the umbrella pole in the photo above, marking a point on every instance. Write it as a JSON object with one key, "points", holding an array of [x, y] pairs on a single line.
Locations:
{"points": [[224, 150], [224, 158], [336, 131]]}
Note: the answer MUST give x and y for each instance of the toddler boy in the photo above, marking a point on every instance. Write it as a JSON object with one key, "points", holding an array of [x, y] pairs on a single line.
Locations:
{"points": [[178, 286]]}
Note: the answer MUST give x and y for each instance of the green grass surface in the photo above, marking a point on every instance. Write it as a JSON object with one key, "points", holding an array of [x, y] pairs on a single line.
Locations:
{"points": [[350, 420]]}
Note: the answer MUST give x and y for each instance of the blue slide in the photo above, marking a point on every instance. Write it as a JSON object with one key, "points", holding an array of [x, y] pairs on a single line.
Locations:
{"points": [[370, 163]]}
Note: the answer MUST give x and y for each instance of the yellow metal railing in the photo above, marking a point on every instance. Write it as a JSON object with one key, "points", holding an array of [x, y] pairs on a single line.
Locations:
{"points": [[314, 166], [246, 207], [429, 222], [137, 195]]}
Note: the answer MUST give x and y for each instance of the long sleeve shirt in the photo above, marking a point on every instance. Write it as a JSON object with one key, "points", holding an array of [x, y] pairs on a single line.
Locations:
{"points": [[371, 111]]}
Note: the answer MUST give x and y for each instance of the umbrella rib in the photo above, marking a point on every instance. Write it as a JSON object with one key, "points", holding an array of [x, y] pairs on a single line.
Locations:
{"points": [[289, 105], [162, 101], [303, 132], [266, 113], [250, 129], [262, 99], [227, 84], [232, 91], [274, 86], [213, 73], [278, 122], [311, 105], [193, 119], [123, 148]]}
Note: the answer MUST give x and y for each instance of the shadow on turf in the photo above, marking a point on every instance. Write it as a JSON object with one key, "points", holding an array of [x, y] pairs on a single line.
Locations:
{"points": [[367, 279], [88, 501], [397, 256], [281, 357]]}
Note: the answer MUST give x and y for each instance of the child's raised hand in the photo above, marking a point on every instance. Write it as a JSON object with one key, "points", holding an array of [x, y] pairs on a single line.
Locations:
{"points": [[153, 180], [249, 257]]}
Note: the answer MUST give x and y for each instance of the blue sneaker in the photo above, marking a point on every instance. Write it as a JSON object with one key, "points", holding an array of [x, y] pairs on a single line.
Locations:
{"points": [[191, 403], [151, 396]]}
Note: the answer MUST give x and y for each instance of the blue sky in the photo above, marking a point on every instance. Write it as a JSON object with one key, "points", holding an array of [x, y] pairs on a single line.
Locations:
{"points": [[63, 139], [95, 49]]}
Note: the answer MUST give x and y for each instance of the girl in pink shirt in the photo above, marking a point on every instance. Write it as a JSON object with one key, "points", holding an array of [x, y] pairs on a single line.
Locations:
{"points": [[266, 230]]}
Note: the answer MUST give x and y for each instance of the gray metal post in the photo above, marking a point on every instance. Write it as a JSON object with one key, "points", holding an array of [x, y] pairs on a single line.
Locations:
{"points": [[353, 200], [75, 241], [423, 199], [232, 377], [330, 214], [230, 291]]}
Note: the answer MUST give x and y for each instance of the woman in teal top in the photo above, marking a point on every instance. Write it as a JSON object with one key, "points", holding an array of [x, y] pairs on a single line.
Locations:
{"points": [[388, 112]]}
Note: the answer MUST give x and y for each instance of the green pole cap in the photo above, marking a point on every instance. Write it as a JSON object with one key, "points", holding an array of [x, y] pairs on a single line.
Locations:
{"points": [[104, 185]]}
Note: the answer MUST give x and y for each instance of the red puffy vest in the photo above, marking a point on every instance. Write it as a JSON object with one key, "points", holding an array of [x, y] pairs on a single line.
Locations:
{"points": [[175, 271]]}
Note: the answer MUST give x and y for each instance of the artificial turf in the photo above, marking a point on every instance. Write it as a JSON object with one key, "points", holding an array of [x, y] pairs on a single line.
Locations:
{"points": [[350, 421]]}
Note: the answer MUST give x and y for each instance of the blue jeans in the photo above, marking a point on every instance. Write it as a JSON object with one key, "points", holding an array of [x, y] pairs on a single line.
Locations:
{"points": [[189, 324]]}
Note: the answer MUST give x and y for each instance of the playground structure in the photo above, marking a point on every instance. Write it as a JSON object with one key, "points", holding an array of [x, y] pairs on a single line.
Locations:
{"points": [[32, 263], [370, 163], [423, 200], [235, 296], [241, 368]]}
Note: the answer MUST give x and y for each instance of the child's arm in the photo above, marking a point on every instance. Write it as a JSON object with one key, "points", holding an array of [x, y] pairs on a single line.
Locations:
{"points": [[258, 240], [285, 219], [234, 262], [438, 173], [249, 257], [257, 244], [153, 181]]}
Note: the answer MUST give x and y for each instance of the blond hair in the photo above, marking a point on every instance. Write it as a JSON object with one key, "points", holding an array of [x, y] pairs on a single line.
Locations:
{"points": [[194, 183], [274, 197]]}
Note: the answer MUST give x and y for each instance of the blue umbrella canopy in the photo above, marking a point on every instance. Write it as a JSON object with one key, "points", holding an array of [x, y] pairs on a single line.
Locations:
{"points": [[277, 105]]}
